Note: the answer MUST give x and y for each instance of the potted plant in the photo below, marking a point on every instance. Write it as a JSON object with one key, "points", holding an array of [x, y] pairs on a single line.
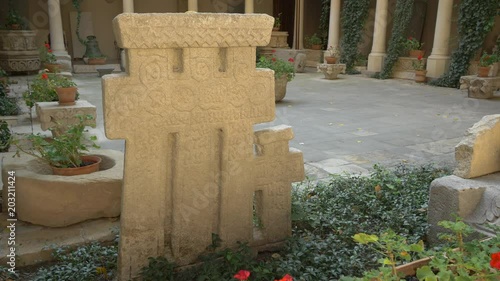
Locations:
{"points": [[14, 20], [314, 42], [96, 59], [93, 53], [485, 63], [43, 88], [284, 71], [420, 72], [48, 59], [8, 105], [332, 54], [277, 23], [458, 260], [414, 47], [64, 87], [66, 152]]}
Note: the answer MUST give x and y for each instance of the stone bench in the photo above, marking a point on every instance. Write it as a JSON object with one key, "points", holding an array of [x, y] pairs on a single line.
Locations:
{"points": [[331, 71], [480, 87], [51, 113], [104, 70], [473, 193]]}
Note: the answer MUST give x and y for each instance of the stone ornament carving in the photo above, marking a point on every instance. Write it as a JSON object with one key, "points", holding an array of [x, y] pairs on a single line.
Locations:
{"points": [[480, 87], [186, 109], [18, 51], [331, 71], [279, 40]]}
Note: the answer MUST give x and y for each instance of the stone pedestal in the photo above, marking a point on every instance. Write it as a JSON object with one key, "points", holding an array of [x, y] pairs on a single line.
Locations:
{"points": [[278, 40], [480, 87], [51, 112], [331, 71], [403, 69], [18, 51]]}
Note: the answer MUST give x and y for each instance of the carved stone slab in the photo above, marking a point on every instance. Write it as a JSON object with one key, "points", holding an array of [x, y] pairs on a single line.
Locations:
{"points": [[193, 166], [480, 87], [51, 112], [331, 71]]}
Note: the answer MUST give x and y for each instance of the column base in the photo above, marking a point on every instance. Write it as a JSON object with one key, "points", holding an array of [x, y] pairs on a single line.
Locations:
{"points": [[65, 60], [375, 62], [437, 66]]}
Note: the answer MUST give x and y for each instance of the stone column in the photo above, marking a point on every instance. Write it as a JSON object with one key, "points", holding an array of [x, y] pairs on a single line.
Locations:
{"points": [[376, 57], [249, 9], [298, 33], [128, 6], [334, 29], [56, 35], [193, 5], [439, 60]]}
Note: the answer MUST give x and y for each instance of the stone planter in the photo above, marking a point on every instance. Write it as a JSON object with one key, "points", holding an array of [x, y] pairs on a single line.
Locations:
{"points": [[280, 88], [58, 201], [420, 76], [18, 51], [416, 53]]}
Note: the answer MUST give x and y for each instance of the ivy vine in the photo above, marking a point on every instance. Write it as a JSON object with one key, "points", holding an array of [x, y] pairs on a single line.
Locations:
{"points": [[76, 5], [402, 19], [324, 21], [475, 21], [354, 15]]}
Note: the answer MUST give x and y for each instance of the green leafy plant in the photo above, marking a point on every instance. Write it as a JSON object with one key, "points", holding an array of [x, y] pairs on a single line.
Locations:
{"points": [[353, 19], [5, 136], [65, 150], [46, 55], [402, 19], [472, 30], [8, 105], [42, 89], [280, 67], [487, 60], [313, 40], [419, 64], [14, 18], [413, 44], [277, 21]]}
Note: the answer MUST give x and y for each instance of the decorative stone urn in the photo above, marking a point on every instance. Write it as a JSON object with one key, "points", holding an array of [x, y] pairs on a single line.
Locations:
{"points": [[18, 51], [280, 88]]}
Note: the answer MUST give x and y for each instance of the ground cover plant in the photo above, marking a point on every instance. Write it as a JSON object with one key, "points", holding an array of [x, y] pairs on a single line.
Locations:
{"points": [[325, 218]]}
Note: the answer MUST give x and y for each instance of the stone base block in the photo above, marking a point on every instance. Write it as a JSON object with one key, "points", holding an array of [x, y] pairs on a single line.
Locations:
{"points": [[313, 57], [477, 201], [278, 40], [56, 201], [331, 71], [403, 69], [375, 62], [437, 65], [480, 87], [48, 112], [87, 68]]}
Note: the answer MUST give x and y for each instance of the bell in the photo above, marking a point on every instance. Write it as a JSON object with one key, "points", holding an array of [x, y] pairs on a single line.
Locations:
{"points": [[92, 48]]}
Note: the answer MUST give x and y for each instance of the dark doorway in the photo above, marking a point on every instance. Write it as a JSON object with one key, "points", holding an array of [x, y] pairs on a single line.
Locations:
{"points": [[287, 10]]}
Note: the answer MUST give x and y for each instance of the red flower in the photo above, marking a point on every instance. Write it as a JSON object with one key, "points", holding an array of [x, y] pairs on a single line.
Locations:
{"points": [[287, 277], [273, 51], [291, 60], [410, 38], [273, 59], [47, 46], [49, 50], [242, 275], [420, 57], [45, 76], [495, 260]]}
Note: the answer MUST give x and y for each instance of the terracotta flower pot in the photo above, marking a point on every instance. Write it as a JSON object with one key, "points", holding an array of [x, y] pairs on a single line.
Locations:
{"points": [[15, 26], [331, 60], [94, 167], [483, 71], [52, 67], [96, 61], [420, 76], [416, 53], [316, 47], [276, 28], [67, 96]]}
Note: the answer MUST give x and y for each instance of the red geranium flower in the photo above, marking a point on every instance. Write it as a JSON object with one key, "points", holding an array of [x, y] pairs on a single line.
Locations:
{"points": [[242, 275], [420, 57], [273, 59], [49, 50], [47, 46], [273, 51], [287, 277], [410, 38], [45, 76], [291, 60], [495, 260]]}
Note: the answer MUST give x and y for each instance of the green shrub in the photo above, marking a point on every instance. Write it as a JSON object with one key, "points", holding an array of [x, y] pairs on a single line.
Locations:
{"points": [[8, 105], [4, 136]]}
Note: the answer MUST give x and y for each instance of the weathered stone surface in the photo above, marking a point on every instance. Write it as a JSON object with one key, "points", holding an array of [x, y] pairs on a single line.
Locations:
{"points": [[480, 87], [476, 200], [331, 71], [280, 88], [45, 199], [186, 109], [18, 51], [278, 40], [51, 112], [478, 153]]}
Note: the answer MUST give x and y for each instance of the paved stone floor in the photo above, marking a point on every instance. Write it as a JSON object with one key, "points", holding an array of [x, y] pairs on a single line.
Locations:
{"points": [[350, 124]]}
